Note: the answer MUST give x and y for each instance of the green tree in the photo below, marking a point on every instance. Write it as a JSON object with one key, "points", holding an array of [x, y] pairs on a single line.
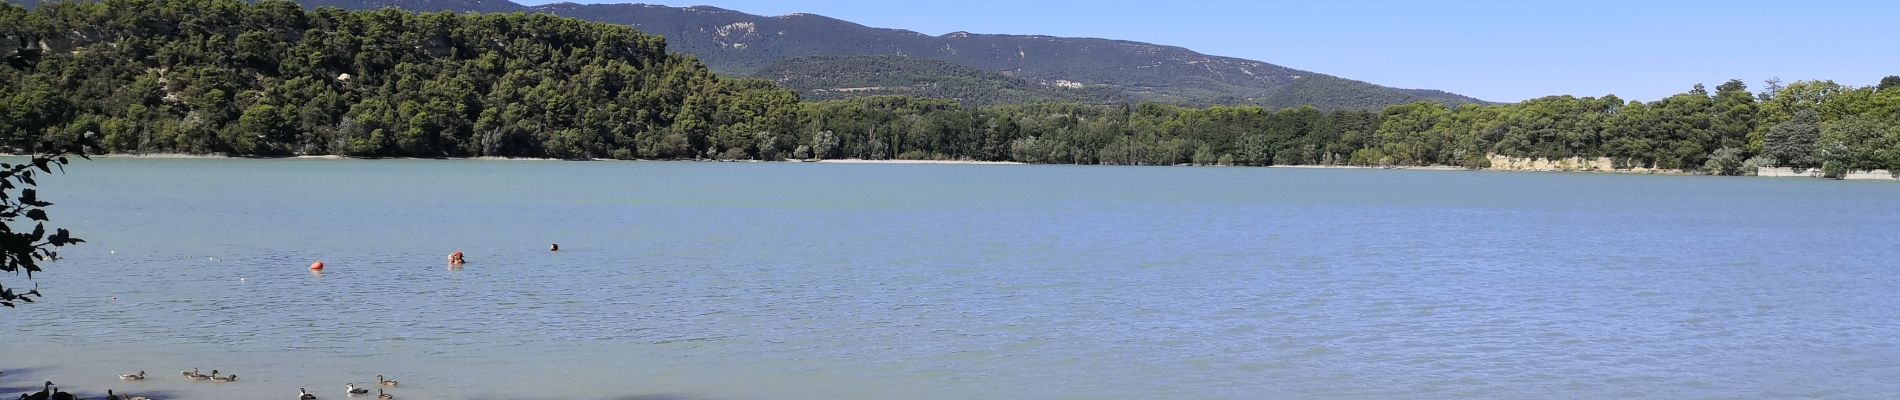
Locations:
{"points": [[1793, 143], [824, 145], [1727, 161], [1861, 142], [1735, 115]]}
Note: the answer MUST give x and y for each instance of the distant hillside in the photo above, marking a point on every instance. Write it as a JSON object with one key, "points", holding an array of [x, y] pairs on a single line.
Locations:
{"points": [[836, 77], [733, 42], [482, 6], [736, 42]]}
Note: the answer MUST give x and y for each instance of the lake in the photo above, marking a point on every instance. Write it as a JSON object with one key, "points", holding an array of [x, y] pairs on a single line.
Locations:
{"points": [[821, 281]]}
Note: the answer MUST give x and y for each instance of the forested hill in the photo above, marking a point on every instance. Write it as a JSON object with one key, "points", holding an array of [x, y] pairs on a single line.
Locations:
{"points": [[830, 78], [481, 6], [270, 78], [737, 43]]}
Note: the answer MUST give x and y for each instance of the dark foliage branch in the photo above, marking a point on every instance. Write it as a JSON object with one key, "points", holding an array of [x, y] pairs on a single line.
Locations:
{"points": [[21, 252]]}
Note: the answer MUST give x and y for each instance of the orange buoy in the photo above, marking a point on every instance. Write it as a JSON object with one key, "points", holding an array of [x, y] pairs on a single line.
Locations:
{"points": [[316, 266]]}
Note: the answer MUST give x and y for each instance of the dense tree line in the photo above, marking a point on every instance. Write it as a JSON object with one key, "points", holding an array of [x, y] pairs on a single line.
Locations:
{"points": [[1805, 124], [224, 76], [270, 78]]}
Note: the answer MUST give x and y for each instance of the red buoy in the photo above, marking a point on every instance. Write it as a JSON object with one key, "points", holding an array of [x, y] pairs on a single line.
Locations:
{"points": [[316, 266]]}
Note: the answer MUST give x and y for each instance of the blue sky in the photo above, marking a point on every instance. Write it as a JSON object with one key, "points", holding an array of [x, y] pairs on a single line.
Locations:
{"points": [[1494, 50]]}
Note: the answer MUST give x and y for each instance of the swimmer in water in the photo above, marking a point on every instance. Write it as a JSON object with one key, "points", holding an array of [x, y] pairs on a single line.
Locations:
{"points": [[554, 247], [456, 258]]}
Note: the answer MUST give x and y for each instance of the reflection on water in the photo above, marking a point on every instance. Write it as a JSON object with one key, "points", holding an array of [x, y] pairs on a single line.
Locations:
{"points": [[795, 281]]}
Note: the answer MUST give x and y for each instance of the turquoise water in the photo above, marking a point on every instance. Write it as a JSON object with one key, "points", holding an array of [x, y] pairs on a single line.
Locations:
{"points": [[821, 281]]}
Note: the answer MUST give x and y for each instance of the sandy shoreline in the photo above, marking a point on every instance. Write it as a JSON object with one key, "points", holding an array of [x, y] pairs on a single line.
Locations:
{"points": [[1421, 168], [185, 156], [167, 156], [162, 156], [946, 162]]}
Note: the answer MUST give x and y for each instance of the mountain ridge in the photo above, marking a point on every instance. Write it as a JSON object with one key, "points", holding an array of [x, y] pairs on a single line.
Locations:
{"points": [[738, 43], [742, 44]]}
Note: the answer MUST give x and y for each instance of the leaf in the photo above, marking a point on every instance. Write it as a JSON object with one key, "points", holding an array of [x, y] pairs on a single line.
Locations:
{"points": [[32, 198], [36, 214], [62, 237]]}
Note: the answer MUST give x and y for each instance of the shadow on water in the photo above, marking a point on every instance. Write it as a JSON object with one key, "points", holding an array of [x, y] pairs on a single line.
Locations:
{"points": [[17, 381], [650, 396], [88, 394], [21, 380], [666, 396]]}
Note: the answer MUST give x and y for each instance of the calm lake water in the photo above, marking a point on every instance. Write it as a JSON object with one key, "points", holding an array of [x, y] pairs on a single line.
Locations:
{"points": [[819, 281]]}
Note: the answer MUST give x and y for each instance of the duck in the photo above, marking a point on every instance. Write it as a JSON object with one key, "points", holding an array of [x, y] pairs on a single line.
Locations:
{"points": [[352, 389], [223, 379], [200, 377], [133, 377], [112, 396], [46, 393], [58, 395], [384, 396], [385, 382], [305, 395], [188, 374]]}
